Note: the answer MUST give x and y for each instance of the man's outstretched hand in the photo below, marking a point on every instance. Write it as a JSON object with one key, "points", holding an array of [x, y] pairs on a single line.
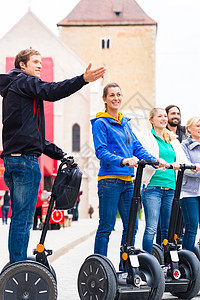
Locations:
{"points": [[92, 75]]}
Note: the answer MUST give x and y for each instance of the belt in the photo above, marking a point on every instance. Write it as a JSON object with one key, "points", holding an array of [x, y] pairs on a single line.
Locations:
{"points": [[163, 188], [20, 154]]}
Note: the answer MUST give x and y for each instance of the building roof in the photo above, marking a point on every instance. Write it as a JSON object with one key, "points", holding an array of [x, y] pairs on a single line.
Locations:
{"points": [[107, 12]]}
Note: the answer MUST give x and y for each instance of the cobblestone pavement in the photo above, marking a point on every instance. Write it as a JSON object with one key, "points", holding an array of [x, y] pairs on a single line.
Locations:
{"points": [[67, 266], [71, 246]]}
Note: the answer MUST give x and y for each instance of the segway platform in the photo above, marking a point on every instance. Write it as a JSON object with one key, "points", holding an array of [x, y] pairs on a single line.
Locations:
{"points": [[142, 278], [181, 267]]}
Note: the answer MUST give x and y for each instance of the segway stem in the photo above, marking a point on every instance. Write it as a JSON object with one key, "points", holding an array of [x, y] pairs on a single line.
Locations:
{"points": [[134, 207], [175, 208], [136, 200], [174, 212], [47, 219]]}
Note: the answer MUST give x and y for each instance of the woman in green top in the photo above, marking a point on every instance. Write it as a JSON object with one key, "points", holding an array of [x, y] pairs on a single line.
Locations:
{"points": [[159, 185]]}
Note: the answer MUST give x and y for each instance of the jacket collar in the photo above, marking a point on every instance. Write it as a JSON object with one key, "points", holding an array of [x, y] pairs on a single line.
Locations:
{"points": [[190, 143], [110, 119]]}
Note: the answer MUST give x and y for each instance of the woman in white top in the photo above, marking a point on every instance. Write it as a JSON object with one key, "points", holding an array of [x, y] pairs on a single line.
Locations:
{"points": [[159, 185]]}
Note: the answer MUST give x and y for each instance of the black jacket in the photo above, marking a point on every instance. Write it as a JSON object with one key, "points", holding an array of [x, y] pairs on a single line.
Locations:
{"points": [[23, 110]]}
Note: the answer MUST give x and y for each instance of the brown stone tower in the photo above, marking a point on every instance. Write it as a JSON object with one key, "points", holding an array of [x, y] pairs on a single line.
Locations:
{"points": [[119, 35]]}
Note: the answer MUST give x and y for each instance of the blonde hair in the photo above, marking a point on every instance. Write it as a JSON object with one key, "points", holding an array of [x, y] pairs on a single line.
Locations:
{"points": [[167, 135], [192, 121]]}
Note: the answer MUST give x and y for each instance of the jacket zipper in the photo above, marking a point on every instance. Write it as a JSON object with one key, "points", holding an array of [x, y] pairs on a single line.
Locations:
{"points": [[38, 119], [38, 115]]}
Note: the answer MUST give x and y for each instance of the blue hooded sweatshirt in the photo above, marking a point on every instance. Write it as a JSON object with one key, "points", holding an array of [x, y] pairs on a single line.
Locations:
{"points": [[113, 142]]}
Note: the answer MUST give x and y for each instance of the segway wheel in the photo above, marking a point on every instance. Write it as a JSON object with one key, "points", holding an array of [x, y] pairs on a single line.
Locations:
{"points": [[152, 274], [189, 266], [157, 252], [97, 279], [27, 281], [197, 250]]}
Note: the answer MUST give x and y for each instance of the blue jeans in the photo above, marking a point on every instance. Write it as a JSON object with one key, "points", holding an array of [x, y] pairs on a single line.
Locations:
{"points": [[22, 175], [190, 210], [114, 194], [157, 203]]}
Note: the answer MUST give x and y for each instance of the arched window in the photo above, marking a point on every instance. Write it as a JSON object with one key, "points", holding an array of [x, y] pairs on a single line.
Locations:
{"points": [[76, 137]]}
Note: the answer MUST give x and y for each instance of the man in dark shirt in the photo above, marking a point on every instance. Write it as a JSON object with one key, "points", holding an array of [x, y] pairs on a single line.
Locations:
{"points": [[23, 136], [174, 125], [174, 122]]}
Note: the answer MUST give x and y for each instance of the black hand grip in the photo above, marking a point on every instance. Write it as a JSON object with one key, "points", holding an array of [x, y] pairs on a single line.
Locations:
{"points": [[187, 167], [145, 162], [169, 167], [183, 167], [66, 161]]}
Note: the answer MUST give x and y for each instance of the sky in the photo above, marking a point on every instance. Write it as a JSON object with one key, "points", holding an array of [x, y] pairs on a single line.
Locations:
{"points": [[177, 43]]}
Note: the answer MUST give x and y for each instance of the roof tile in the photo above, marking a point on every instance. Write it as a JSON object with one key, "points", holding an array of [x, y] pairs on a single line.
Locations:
{"points": [[91, 12]]}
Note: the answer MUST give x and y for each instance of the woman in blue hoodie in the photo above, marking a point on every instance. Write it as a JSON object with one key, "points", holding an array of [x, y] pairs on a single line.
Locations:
{"points": [[118, 150]]}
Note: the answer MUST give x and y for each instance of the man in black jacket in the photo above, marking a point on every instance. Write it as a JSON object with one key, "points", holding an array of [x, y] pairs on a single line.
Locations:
{"points": [[23, 136], [174, 121]]}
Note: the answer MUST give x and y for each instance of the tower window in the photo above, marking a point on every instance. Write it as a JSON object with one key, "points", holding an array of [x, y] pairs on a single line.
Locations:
{"points": [[105, 43], [76, 138]]}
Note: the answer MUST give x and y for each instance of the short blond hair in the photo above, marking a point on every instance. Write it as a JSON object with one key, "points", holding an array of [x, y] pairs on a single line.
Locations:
{"points": [[192, 121], [168, 135]]}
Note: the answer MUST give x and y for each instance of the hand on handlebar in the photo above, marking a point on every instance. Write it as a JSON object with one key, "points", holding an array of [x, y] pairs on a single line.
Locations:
{"points": [[197, 165], [175, 166], [131, 162], [162, 163], [68, 160]]}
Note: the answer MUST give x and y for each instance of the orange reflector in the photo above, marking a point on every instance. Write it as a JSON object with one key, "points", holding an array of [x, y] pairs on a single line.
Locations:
{"points": [[175, 236], [165, 242], [124, 256], [40, 248]]}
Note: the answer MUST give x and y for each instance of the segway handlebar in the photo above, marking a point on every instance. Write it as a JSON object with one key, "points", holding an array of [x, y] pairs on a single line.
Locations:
{"points": [[67, 160], [183, 167], [144, 162]]}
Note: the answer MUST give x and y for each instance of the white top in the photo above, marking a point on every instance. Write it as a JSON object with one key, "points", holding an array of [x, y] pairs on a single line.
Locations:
{"points": [[151, 145]]}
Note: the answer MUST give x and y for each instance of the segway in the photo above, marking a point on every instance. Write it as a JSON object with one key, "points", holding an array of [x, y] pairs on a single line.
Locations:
{"points": [[181, 267], [35, 279], [142, 277]]}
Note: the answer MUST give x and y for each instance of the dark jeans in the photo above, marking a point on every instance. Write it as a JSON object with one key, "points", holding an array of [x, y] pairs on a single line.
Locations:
{"points": [[190, 210], [5, 210], [75, 212], [114, 194], [22, 175]]}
